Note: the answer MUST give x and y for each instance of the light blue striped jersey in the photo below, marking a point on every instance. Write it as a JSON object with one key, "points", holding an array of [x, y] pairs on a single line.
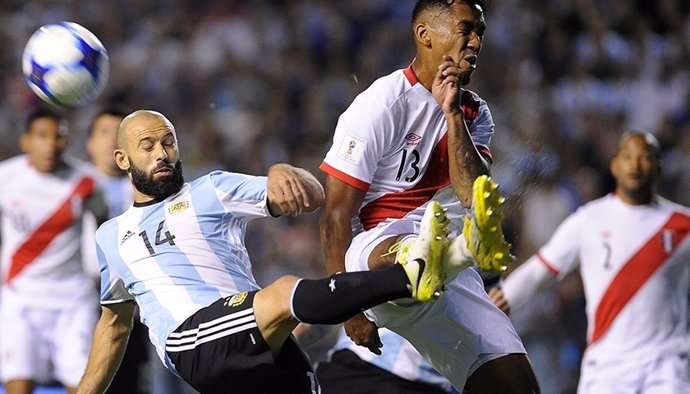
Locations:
{"points": [[181, 254], [399, 357]]}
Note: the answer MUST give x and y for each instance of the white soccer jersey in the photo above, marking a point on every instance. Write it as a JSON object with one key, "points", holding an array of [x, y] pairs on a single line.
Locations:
{"points": [[392, 143], [398, 357], [635, 267], [41, 233], [179, 255]]}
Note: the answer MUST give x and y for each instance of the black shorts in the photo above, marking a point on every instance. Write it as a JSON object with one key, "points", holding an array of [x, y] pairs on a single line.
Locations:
{"points": [[346, 373], [220, 349]]}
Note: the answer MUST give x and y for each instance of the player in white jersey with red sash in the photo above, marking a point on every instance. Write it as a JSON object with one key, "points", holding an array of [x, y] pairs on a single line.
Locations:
{"points": [[632, 248], [49, 304], [415, 136]]}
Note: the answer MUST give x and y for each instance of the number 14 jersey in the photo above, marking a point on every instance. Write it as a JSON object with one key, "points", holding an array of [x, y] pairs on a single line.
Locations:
{"points": [[181, 254]]}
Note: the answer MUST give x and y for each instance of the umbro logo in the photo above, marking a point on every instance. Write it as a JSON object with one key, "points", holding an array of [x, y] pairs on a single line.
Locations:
{"points": [[413, 139], [127, 235]]}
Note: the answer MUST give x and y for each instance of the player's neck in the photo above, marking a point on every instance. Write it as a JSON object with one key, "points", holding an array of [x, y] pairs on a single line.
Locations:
{"points": [[424, 72], [640, 197]]}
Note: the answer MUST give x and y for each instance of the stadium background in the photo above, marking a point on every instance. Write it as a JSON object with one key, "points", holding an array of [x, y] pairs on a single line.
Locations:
{"points": [[252, 83]]}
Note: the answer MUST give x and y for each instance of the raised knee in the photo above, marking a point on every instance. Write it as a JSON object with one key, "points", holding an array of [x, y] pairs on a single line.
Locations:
{"points": [[286, 282]]}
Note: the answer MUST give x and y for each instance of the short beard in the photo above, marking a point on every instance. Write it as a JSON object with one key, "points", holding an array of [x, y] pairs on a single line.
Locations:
{"points": [[162, 188]]}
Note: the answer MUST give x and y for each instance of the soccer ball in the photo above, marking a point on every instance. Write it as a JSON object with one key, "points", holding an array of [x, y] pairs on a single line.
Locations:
{"points": [[65, 64]]}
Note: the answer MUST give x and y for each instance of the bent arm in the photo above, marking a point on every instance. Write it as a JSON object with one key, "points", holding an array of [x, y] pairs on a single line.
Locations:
{"points": [[108, 347], [465, 163], [293, 190]]}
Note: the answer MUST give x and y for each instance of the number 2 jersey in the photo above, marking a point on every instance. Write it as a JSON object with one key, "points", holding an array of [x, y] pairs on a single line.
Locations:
{"points": [[635, 268], [392, 143], [181, 254]]}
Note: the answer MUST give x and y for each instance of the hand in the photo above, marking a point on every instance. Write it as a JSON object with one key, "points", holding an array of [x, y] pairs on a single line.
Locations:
{"points": [[446, 86], [364, 333], [498, 298], [292, 190]]}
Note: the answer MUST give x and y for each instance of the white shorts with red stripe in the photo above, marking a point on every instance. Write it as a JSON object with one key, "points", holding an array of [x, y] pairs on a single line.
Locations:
{"points": [[457, 333]]}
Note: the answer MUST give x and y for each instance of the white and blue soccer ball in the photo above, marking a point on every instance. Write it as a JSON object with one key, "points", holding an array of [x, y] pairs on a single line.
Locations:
{"points": [[65, 64]]}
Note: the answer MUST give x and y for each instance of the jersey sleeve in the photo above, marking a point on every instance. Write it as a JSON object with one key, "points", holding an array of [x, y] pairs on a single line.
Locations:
{"points": [[361, 136], [245, 196], [113, 290], [560, 253], [482, 123]]}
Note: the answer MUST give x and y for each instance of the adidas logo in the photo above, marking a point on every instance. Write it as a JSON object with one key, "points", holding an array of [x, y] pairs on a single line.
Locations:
{"points": [[127, 235]]}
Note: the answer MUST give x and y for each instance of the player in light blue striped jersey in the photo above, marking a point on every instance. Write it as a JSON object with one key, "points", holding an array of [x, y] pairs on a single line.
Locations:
{"points": [[179, 253]]}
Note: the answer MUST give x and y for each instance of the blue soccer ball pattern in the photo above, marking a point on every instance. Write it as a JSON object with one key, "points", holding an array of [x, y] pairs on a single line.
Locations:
{"points": [[65, 64]]}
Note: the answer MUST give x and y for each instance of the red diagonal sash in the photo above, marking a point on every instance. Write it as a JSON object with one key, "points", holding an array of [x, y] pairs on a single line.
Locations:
{"points": [[61, 219], [635, 273]]}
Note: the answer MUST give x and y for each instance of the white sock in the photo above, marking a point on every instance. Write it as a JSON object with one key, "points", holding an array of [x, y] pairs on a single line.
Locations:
{"points": [[457, 257]]}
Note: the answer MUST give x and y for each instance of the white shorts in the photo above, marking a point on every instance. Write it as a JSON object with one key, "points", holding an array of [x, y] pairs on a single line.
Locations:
{"points": [[44, 345], [459, 332], [668, 373]]}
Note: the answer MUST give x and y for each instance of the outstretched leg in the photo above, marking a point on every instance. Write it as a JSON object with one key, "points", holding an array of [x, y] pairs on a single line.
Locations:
{"points": [[419, 275]]}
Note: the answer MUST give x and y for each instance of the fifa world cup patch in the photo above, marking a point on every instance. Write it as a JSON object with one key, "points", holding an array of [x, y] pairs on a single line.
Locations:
{"points": [[235, 300], [352, 149], [178, 207]]}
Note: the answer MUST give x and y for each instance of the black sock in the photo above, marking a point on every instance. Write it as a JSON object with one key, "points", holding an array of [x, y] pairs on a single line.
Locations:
{"points": [[339, 297]]}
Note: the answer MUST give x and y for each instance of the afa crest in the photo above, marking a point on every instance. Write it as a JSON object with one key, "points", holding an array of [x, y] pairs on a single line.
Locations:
{"points": [[236, 300], [178, 207]]}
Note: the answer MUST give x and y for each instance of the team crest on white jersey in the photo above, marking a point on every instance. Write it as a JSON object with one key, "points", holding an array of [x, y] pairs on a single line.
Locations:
{"points": [[352, 148], [178, 207], [668, 240]]}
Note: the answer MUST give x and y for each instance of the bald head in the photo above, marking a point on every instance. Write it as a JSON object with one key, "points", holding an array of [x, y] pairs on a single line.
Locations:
{"points": [[647, 139], [137, 120], [147, 151]]}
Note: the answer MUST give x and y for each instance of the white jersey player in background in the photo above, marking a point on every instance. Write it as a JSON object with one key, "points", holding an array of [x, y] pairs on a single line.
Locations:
{"points": [[632, 248], [49, 304], [415, 136]]}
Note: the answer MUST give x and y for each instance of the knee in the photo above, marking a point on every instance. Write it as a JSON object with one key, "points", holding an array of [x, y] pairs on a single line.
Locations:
{"points": [[280, 291], [275, 298], [286, 283]]}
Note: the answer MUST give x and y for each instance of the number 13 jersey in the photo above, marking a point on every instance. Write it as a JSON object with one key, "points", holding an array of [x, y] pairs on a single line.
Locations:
{"points": [[392, 143]]}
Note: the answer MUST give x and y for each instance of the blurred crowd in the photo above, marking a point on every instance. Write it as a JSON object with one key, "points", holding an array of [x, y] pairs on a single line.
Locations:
{"points": [[252, 83]]}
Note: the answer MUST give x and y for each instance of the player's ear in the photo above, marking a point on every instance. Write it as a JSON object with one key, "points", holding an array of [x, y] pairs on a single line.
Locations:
{"points": [[422, 34], [121, 159]]}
